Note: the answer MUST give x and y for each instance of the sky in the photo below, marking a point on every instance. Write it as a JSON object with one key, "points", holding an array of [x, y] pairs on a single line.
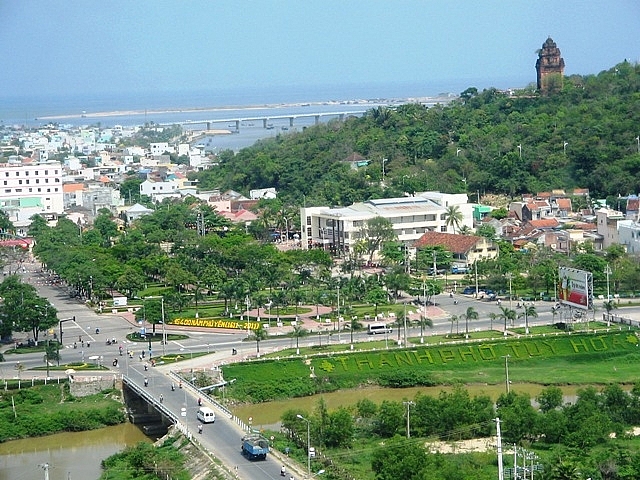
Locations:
{"points": [[66, 47]]}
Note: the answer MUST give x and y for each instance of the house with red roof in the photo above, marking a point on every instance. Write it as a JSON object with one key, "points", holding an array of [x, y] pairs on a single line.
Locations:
{"points": [[466, 249]]}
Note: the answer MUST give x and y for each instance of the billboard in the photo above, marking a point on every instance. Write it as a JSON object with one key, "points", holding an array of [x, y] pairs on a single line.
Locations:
{"points": [[575, 288]]}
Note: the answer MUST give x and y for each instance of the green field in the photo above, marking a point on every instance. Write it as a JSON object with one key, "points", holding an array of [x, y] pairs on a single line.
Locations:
{"points": [[560, 359]]}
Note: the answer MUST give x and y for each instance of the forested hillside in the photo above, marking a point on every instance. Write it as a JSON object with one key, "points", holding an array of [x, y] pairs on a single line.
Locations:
{"points": [[490, 141]]}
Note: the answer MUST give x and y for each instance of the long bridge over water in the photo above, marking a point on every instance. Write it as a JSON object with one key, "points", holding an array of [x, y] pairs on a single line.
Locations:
{"points": [[237, 122]]}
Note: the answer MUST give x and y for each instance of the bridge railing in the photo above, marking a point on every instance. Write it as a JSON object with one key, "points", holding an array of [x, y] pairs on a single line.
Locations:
{"points": [[150, 399], [187, 384]]}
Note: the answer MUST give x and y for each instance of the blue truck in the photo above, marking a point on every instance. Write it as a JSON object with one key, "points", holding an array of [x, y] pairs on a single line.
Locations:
{"points": [[255, 447]]}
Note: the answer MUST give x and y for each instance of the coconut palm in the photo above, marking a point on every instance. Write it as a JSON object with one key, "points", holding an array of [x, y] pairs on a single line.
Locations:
{"points": [[454, 319], [298, 331], [258, 335], [506, 314], [453, 217], [492, 316], [529, 311], [470, 314], [424, 322], [608, 306]]}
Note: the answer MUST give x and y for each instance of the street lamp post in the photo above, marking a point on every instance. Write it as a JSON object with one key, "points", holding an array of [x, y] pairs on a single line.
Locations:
{"points": [[509, 275], [424, 308], [338, 311], [164, 333], [405, 324], [607, 270], [308, 443]]}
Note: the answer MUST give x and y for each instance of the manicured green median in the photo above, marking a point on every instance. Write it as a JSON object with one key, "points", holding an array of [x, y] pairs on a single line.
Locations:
{"points": [[549, 359]]}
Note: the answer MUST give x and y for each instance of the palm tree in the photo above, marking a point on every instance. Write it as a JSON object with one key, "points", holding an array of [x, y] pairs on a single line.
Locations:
{"points": [[465, 230], [453, 319], [453, 217], [492, 316], [298, 331], [425, 321], [529, 311], [470, 314], [258, 335], [506, 314], [608, 306]]}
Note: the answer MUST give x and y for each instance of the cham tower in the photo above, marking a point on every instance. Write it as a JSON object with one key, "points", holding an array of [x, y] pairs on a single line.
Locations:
{"points": [[549, 67]]}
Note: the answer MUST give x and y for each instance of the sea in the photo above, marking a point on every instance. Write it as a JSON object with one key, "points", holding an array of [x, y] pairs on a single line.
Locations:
{"points": [[237, 113]]}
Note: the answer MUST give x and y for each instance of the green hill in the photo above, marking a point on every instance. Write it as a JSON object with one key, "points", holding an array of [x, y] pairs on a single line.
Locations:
{"points": [[490, 141]]}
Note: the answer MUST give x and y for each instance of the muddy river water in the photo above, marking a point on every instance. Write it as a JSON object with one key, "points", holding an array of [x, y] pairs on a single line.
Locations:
{"points": [[75, 456], [70, 456]]}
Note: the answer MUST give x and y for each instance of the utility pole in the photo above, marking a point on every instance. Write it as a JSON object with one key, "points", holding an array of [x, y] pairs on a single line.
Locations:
{"points": [[433, 252], [607, 270], [509, 275], [499, 447], [408, 404], [475, 267], [405, 324], [506, 371], [338, 311], [164, 333]]}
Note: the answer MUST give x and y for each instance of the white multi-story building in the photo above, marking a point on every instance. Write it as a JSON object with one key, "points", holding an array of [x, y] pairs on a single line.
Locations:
{"points": [[338, 229], [629, 236], [33, 185], [160, 189], [160, 148]]}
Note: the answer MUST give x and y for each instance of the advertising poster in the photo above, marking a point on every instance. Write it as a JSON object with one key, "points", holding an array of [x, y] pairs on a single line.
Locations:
{"points": [[573, 288]]}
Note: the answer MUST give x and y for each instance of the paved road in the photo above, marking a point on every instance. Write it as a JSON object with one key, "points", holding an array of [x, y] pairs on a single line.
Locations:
{"points": [[223, 437]]}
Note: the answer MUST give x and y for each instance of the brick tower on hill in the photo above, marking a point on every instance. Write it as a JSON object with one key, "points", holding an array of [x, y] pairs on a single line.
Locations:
{"points": [[549, 67]]}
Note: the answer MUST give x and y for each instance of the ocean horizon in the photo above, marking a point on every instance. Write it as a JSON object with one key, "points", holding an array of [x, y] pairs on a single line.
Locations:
{"points": [[86, 108]]}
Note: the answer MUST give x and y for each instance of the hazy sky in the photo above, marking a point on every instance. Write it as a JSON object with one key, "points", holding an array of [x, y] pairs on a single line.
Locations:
{"points": [[79, 46]]}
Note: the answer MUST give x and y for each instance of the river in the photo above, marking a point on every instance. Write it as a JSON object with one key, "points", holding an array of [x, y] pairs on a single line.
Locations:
{"points": [[70, 456], [268, 415]]}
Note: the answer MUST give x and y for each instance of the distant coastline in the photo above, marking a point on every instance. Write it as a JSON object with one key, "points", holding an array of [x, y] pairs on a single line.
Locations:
{"points": [[270, 106]]}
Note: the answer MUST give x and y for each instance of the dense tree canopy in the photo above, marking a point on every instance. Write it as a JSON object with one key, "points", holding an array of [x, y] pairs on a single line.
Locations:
{"points": [[489, 141]]}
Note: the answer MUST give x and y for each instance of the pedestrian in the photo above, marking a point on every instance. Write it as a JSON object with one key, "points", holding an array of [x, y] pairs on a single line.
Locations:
{"points": [[146, 367], [199, 402], [161, 398], [199, 428], [180, 384], [173, 387], [146, 382]]}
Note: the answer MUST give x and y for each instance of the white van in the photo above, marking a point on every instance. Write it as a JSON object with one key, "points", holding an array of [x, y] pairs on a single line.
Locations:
{"points": [[206, 415], [375, 328]]}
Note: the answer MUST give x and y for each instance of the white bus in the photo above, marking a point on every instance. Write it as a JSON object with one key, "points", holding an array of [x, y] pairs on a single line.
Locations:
{"points": [[375, 328]]}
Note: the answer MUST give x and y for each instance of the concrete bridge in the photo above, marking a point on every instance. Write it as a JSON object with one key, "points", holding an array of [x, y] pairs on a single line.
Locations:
{"points": [[235, 123], [178, 407]]}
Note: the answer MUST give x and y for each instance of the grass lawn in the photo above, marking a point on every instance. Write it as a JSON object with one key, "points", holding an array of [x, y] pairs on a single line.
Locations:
{"points": [[560, 359]]}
